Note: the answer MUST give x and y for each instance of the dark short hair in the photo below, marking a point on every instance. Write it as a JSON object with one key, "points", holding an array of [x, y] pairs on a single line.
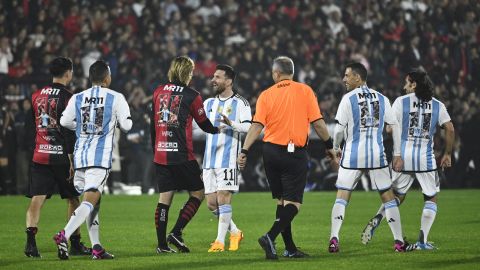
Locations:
{"points": [[229, 71], [358, 68], [98, 71], [59, 66], [284, 65], [424, 88]]}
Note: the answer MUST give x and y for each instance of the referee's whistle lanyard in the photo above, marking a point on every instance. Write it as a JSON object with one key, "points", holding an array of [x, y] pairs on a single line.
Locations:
{"points": [[291, 144]]}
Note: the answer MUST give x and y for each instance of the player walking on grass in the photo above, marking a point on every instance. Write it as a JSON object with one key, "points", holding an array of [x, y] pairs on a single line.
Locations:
{"points": [[51, 164], [362, 115], [173, 106], [221, 151], [93, 114], [286, 111], [419, 114]]}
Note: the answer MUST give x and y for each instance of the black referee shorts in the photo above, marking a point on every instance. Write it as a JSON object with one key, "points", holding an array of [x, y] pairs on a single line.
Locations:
{"points": [[286, 172], [184, 176], [44, 178]]}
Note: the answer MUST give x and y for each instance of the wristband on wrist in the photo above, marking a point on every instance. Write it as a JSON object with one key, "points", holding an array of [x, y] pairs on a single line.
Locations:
{"points": [[328, 143], [244, 151]]}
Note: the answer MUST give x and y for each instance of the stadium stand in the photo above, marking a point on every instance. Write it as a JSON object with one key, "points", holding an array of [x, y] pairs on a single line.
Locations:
{"points": [[139, 38]]}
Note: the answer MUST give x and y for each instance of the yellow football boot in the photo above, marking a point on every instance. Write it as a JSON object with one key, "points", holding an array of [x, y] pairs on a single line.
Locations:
{"points": [[235, 239], [217, 247]]}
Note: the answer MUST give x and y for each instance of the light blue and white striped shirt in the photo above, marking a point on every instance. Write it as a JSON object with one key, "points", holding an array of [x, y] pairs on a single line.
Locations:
{"points": [[222, 149], [363, 112], [418, 121], [93, 114]]}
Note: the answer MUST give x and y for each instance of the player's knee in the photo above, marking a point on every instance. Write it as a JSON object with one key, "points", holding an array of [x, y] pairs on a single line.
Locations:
{"points": [[211, 204], [73, 201], [224, 197], [430, 198], [200, 195]]}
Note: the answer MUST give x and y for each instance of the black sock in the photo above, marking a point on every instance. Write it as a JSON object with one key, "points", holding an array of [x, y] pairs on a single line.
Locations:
{"points": [[31, 232], [286, 216], [286, 233], [75, 240], [161, 220], [186, 214]]}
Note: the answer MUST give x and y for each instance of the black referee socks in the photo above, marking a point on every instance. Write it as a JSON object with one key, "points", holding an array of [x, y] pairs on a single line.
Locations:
{"points": [[287, 233], [285, 217]]}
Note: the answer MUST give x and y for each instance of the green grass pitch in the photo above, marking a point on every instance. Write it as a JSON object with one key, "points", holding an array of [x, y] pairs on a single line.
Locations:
{"points": [[127, 230]]}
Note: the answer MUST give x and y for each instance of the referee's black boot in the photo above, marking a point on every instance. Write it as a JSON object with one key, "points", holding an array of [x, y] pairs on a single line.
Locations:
{"points": [[31, 249], [269, 247]]}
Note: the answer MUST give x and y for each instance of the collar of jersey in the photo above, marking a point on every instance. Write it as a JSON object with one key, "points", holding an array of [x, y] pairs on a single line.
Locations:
{"points": [[234, 93]]}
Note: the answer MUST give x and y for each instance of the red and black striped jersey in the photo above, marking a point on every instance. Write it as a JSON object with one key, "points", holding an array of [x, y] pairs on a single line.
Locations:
{"points": [[173, 108], [53, 142]]}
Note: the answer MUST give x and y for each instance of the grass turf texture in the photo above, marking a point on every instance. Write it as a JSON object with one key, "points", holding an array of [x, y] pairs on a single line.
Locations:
{"points": [[127, 230]]}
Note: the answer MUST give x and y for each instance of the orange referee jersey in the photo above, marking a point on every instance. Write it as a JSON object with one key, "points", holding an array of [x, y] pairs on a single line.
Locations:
{"points": [[286, 110]]}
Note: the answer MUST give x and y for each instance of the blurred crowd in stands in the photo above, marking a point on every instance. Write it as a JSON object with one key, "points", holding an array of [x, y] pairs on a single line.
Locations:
{"points": [[139, 38]]}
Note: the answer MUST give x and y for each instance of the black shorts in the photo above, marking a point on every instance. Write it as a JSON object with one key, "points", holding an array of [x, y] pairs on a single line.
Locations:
{"points": [[44, 178], [185, 176], [286, 172]]}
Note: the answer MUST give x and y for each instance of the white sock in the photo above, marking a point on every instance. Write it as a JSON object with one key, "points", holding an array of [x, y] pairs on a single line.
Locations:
{"points": [[224, 219], [428, 216], [232, 228], [77, 218], [93, 226], [392, 214], [381, 211], [338, 214]]}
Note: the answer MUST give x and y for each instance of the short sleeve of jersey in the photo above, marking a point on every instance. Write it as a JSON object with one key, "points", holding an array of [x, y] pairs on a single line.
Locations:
{"points": [[342, 112], [261, 110], [313, 110], [443, 116], [245, 113], [69, 112], [397, 108], [197, 110], [390, 117], [123, 110]]}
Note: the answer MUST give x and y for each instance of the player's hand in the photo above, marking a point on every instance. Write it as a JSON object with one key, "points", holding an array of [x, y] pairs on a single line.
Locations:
{"points": [[397, 163], [242, 161], [446, 162], [224, 119], [332, 157], [221, 128]]}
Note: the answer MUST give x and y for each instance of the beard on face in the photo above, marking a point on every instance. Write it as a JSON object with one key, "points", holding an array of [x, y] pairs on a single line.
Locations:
{"points": [[219, 89]]}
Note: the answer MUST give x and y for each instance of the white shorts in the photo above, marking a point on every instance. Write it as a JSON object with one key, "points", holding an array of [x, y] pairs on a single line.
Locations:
{"points": [[220, 179], [90, 178], [348, 178], [429, 181]]}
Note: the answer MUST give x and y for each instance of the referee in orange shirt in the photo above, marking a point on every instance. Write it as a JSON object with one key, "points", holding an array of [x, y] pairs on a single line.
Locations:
{"points": [[286, 111]]}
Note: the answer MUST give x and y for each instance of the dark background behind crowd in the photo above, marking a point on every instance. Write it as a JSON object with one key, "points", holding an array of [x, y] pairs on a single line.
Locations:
{"points": [[139, 38]]}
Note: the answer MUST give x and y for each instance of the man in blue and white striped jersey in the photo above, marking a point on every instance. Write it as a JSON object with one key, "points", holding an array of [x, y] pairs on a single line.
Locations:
{"points": [[93, 114], [220, 174], [419, 114], [361, 118]]}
